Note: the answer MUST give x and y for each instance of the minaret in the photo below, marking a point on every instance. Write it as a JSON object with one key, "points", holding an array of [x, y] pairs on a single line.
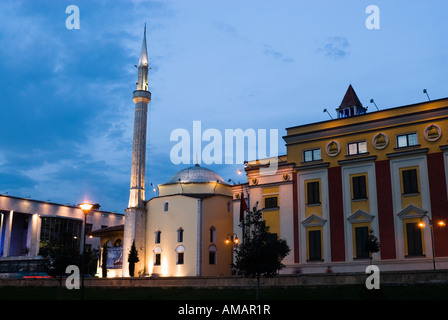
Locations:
{"points": [[141, 99], [135, 219]]}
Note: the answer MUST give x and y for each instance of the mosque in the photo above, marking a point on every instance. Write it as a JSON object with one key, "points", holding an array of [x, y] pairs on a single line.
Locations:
{"points": [[183, 230], [180, 232], [342, 182]]}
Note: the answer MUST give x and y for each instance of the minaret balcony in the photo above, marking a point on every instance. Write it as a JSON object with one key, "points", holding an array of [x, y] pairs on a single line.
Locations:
{"points": [[141, 96]]}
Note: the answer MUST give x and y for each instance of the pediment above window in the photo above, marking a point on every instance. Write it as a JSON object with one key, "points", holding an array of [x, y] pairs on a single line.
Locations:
{"points": [[313, 221], [360, 216], [411, 211]]}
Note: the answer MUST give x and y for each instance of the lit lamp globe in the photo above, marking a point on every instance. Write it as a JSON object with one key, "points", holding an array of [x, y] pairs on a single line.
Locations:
{"points": [[85, 207]]}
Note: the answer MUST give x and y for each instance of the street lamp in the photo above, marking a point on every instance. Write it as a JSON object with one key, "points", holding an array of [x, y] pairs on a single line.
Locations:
{"points": [[232, 238], [441, 223], [86, 208]]}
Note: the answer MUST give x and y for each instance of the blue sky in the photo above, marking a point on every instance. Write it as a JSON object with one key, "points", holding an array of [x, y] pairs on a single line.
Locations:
{"points": [[66, 94]]}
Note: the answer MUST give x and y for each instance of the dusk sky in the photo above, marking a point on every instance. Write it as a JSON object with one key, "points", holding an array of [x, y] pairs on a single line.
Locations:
{"points": [[66, 94]]}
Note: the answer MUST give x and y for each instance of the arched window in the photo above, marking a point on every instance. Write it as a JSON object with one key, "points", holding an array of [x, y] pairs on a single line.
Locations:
{"points": [[158, 236], [212, 254], [157, 256], [180, 235], [165, 206], [212, 234], [180, 254], [118, 243]]}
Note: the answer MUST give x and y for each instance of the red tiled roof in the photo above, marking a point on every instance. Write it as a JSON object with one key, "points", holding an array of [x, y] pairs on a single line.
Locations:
{"points": [[350, 99]]}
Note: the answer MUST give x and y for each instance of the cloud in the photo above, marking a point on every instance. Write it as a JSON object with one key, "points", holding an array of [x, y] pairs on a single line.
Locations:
{"points": [[231, 31], [226, 28], [335, 48], [68, 129], [276, 54]]}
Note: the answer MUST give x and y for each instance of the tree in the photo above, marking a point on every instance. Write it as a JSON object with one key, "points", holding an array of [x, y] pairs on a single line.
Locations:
{"points": [[132, 259], [372, 245], [104, 261], [91, 258], [57, 256], [261, 252]]}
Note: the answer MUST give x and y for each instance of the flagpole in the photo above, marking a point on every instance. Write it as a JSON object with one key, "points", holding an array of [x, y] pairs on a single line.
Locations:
{"points": [[242, 218], [243, 207], [247, 208]]}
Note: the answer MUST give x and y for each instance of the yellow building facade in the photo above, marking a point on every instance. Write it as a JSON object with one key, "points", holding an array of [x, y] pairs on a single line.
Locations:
{"points": [[273, 194], [185, 229], [383, 171], [187, 225]]}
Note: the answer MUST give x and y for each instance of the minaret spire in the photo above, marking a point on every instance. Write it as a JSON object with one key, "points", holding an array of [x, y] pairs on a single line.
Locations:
{"points": [[143, 61], [142, 82], [134, 228]]}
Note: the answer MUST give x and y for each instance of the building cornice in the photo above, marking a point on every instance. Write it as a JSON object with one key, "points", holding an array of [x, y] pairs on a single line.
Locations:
{"points": [[362, 123], [357, 160], [406, 153]]}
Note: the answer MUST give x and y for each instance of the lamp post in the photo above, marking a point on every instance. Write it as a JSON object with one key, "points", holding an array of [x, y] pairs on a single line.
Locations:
{"points": [[440, 223], [86, 208], [232, 239]]}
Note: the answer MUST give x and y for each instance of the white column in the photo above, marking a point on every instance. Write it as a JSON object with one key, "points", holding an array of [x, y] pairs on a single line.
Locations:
{"points": [[8, 229], [2, 218], [199, 240], [33, 240]]}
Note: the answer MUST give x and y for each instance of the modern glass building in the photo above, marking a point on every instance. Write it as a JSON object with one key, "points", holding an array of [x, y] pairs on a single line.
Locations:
{"points": [[27, 224]]}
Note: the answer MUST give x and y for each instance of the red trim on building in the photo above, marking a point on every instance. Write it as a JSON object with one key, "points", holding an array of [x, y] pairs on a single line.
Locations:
{"points": [[336, 214], [385, 209], [295, 204], [439, 202]]}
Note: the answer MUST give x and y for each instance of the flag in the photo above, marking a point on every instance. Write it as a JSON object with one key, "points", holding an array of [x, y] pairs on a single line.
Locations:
{"points": [[243, 207]]}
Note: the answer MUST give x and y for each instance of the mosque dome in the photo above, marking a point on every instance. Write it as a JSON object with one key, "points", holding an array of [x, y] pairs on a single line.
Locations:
{"points": [[196, 174]]}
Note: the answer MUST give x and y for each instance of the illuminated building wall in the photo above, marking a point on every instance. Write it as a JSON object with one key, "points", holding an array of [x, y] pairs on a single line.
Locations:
{"points": [[383, 171]]}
